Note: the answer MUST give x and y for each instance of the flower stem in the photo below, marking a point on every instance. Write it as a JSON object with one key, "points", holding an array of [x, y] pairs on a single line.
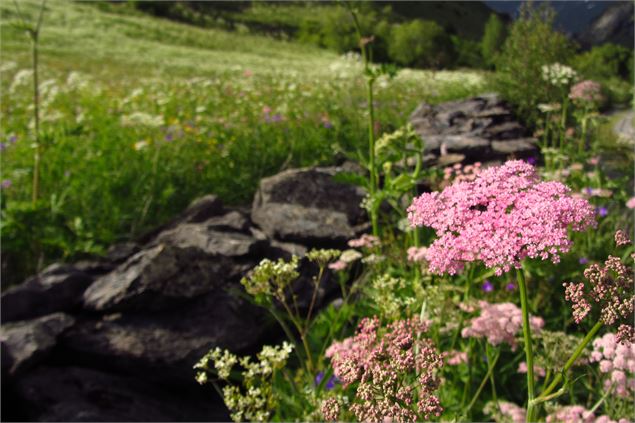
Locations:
{"points": [[578, 351], [491, 363], [529, 355]]}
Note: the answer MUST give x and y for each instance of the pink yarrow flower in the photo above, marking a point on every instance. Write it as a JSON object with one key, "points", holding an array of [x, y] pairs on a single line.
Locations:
{"points": [[588, 91], [617, 360], [506, 214], [365, 241], [417, 254], [499, 323]]}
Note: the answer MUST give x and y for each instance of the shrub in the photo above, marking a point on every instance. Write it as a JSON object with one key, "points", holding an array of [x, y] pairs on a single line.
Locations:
{"points": [[605, 62], [468, 53], [420, 43], [532, 44], [493, 39]]}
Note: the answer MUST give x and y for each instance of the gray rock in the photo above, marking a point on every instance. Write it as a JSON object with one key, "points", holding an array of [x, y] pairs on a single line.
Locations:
{"points": [[519, 146], [58, 288], [201, 237], [80, 394], [26, 343], [199, 211], [469, 128], [464, 144], [120, 252], [164, 346], [186, 263], [232, 221], [308, 206]]}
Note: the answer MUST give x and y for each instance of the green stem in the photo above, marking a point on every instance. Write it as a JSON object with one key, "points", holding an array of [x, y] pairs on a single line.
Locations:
{"points": [[529, 355], [37, 156], [466, 297], [491, 374], [313, 298], [298, 327], [371, 118], [371, 151], [490, 370], [286, 330], [578, 351]]}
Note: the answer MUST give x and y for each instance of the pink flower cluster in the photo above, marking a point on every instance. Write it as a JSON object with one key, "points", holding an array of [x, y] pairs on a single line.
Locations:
{"points": [[503, 216], [365, 241], [330, 409], [512, 412], [499, 323], [621, 239], [454, 358], [618, 361], [396, 372], [571, 414], [522, 368], [459, 173], [578, 414], [417, 254], [588, 90], [610, 287]]}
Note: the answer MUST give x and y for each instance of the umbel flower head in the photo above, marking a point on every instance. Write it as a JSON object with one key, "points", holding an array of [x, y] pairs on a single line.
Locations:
{"points": [[395, 369], [506, 214], [609, 289]]}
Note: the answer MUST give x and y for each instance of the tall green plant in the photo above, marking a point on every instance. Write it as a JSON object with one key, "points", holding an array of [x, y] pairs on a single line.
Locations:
{"points": [[33, 32], [532, 43], [493, 39]]}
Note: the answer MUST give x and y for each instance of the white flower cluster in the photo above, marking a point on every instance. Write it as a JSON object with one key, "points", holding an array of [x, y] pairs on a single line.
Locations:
{"points": [[142, 119], [258, 399], [271, 277], [558, 74]]}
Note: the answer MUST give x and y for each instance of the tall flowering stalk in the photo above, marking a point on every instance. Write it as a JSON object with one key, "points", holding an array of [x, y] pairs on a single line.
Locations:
{"points": [[33, 31], [364, 45], [505, 215]]}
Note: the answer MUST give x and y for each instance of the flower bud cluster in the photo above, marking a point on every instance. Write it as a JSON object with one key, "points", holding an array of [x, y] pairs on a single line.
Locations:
{"points": [[610, 288], [270, 278], [395, 369]]}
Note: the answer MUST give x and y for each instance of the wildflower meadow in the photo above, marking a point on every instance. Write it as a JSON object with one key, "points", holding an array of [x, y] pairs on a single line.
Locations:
{"points": [[474, 290]]}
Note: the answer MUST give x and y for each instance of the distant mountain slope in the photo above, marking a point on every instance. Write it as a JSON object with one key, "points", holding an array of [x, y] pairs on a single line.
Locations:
{"points": [[590, 22], [615, 25]]}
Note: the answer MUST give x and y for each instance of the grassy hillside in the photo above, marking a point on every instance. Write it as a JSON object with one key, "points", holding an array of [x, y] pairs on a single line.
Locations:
{"points": [[80, 36], [141, 115]]}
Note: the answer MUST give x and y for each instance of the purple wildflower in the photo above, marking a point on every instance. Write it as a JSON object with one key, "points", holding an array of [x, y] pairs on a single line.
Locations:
{"points": [[510, 286], [532, 161], [583, 260], [169, 137], [330, 384], [3, 146], [602, 211], [487, 286], [6, 184], [13, 139]]}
